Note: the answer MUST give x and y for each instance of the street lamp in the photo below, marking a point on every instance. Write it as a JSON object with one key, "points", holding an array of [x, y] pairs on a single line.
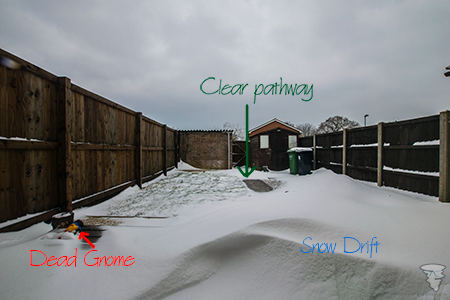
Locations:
{"points": [[365, 116]]}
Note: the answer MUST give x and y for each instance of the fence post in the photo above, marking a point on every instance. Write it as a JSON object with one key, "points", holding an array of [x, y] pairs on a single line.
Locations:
{"points": [[139, 149], [380, 155], [444, 152], [344, 151], [314, 152], [165, 149], [64, 156]]}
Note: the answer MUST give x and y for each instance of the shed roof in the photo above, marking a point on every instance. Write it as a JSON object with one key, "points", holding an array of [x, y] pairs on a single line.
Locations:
{"points": [[272, 124]]}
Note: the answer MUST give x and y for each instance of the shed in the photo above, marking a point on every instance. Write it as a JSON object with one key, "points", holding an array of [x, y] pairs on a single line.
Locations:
{"points": [[269, 143]]}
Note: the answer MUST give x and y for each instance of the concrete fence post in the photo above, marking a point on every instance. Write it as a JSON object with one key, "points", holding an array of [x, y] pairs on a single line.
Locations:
{"points": [[444, 162]]}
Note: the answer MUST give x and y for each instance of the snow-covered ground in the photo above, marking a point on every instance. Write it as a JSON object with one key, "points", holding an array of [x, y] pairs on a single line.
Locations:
{"points": [[220, 240]]}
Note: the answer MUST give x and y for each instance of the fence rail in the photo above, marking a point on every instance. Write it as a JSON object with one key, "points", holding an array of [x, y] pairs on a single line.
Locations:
{"points": [[62, 146], [397, 154]]}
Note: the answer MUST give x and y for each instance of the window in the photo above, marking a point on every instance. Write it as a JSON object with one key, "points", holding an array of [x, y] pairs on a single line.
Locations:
{"points": [[263, 141], [292, 142]]}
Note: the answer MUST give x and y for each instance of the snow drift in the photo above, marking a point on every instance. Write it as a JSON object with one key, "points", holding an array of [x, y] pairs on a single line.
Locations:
{"points": [[221, 240]]}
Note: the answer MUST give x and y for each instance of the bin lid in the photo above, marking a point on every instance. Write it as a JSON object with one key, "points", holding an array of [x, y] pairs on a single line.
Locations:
{"points": [[300, 149]]}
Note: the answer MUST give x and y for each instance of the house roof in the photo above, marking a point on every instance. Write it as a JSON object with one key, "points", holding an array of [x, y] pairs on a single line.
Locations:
{"points": [[272, 124]]}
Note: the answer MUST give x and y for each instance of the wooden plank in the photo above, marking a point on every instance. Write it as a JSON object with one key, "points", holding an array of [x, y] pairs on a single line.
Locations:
{"points": [[28, 222], [83, 175], [37, 113], [29, 181], [29, 66], [39, 183], [100, 99], [424, 159], [76, 181], [113, 169], [79, 119], [130, 129], [119, 127], [6, 187], [106, 163], [152, 121], [131, 165], [100, 176], [49, 107], [64, 140], [79, 146], [361, 173], [112, 125], [110, 168], [18, 171], [91, 171], [120, 177], [98, 197], [362, 135], [49, 173], [28, 106], [94, 122], [16, 90], [410, 131], [100, 119], [419, 183], [153, 148], [4, 103], [27, 145], [88, 120]]}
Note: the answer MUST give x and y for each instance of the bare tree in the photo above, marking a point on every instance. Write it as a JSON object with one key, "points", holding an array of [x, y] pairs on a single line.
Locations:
{"points": [[238, 133], [336, 123], [307, 129]]}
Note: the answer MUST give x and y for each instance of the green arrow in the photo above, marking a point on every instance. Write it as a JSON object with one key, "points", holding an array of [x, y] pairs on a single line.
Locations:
{"points": [[246, 173]]}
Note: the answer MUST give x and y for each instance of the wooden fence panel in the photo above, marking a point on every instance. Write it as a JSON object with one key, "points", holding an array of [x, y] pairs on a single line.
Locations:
{"points": [[359, 173], [420, 158], [68, 136], [362, 156], [428, 185], [398, 152], [329, 140], [305, 142], [362, 135], [411, 131], [329, 155]]}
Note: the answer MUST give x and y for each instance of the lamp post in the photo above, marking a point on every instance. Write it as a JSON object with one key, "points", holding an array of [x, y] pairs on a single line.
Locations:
{"points": [[365, 116]]}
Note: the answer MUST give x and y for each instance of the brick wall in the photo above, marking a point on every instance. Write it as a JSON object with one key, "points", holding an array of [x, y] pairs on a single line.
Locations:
{"points": [[205, 149]]}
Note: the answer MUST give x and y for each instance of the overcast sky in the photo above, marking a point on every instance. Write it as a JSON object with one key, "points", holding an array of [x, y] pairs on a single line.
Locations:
{"points": [[382, 58]]}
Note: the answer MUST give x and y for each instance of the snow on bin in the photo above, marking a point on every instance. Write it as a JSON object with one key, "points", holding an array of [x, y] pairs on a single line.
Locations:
{"points": [[300, 160]]}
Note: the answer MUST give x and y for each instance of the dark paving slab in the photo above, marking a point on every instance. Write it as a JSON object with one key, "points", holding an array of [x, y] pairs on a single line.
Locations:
{"points": [[258, 185]]}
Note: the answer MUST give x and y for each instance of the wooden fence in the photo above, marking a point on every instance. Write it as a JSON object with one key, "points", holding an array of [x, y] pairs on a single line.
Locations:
{"points": [[62, 146], [392, 154]]}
